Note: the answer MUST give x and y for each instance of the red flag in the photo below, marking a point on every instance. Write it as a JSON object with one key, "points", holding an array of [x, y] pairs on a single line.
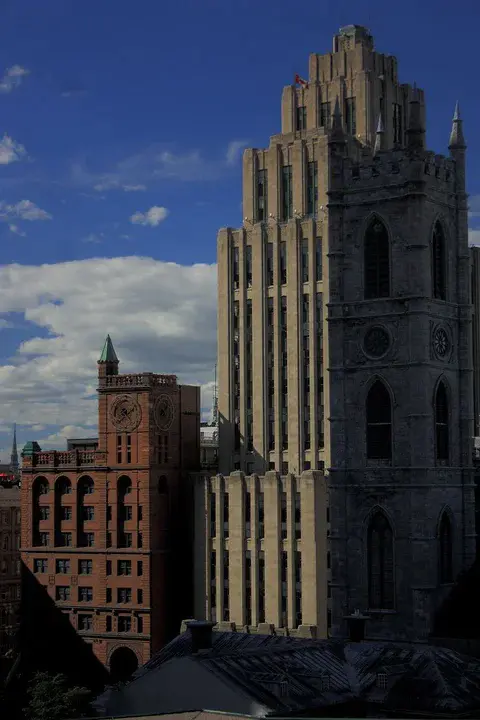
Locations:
{"points": [[300, 81]]}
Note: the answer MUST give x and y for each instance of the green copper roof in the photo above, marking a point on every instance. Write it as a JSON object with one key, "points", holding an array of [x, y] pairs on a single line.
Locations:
{"points": [[31, 447], [108, 352]]}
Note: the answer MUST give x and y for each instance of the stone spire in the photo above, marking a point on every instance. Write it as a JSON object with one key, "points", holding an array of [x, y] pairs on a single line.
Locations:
{"points": [[457, 141], [415, 129], [108, 362], [379, 136], [14, 464]]}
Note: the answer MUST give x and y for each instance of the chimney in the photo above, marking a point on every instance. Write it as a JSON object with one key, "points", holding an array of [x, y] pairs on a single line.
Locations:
{"points": [[201, 634], [356, 626]]}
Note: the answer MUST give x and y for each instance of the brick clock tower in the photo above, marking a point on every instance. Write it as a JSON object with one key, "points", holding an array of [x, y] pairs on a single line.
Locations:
{"points": [[105, 528]]}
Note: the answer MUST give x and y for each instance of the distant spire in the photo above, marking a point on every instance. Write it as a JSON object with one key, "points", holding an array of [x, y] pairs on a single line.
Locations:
{"points": [[14, 464], [379, 136], [108, 353], [415, 129], [336, 133], [457, 141]]}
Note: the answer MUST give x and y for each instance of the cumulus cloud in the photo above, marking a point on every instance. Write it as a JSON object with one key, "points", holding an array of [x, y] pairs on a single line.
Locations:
{"points": [[152, 217], [12, 78], [233, 151], [10, 151], [161, 317], [23, 210]]}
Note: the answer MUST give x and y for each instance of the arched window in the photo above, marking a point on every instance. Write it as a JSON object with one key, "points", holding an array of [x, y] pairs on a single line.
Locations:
{"points": [[86, 486], [377, 260], [379, 423], [63, 486], [40, 486], [124, 487], [381, 586], [445, 549], [162, 485], [438, 263], [441, 422]]}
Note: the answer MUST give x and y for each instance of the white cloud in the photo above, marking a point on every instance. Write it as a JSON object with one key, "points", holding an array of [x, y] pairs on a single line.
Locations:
{"points": [[474, 237], [94, 238], [474, 206], [134, 188], [23, 210], [156, 163], [10, 151], [233, 151], [161, 317], [152, 217], [12, 78], [16, 230]]}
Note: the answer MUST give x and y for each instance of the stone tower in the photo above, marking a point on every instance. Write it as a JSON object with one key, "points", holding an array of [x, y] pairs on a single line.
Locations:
{"points": [[344, 333]]}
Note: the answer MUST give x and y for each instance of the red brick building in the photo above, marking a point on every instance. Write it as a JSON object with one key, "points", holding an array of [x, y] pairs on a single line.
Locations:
{"points": [[106, 524]]}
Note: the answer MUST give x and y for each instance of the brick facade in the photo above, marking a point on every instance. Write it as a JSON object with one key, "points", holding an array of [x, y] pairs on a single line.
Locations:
{"points": [[105, 527]]}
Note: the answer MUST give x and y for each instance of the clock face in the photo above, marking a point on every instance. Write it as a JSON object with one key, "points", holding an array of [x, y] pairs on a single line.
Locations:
{"points": [[376, 342], [441, 343], [164, 412], [126, 414]]}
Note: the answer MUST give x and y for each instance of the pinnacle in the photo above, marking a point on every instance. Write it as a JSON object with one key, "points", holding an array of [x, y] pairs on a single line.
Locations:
{"points": [[457, 140], [108, 353]]}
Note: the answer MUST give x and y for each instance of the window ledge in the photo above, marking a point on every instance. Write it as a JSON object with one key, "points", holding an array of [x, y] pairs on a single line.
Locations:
{"points": [[377, 611]]}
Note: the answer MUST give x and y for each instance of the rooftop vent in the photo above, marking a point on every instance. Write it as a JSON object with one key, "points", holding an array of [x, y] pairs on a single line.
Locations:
{"points": [[201, 634], [356, 626]]}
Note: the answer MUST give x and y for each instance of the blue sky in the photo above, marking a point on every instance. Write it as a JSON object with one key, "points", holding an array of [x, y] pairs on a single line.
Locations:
{"points": [[109, 109]]}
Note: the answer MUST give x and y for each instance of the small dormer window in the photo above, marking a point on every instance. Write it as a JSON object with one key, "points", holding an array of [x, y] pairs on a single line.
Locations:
{"points": [[325, 682]]}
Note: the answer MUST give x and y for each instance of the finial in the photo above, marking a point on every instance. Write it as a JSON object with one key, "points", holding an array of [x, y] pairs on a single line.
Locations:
{"points": [[379, 136], [457, 140]]}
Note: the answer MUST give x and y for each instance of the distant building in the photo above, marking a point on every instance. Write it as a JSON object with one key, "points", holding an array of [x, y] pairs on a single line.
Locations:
{"points": [[209, 448], [105, 524], [11, 471], [10, 566]]}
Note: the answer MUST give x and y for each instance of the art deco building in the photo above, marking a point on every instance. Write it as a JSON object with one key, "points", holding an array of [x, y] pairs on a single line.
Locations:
{"points": [[344, 341], [105, 524]]}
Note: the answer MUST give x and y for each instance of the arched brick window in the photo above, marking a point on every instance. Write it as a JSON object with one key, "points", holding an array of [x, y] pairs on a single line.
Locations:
{"points": [[376, 260], [439, 269], [445, 549], [379, 422], [441, 423], [381, 582]]}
